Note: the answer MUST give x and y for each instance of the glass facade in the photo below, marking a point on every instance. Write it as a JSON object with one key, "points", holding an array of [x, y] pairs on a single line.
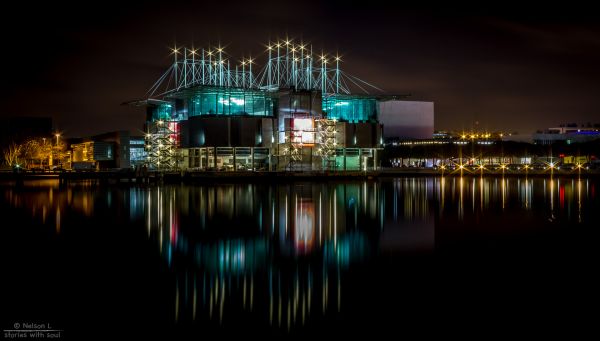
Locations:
{"points": [[350, 109], [162, 111], [228, 101]]}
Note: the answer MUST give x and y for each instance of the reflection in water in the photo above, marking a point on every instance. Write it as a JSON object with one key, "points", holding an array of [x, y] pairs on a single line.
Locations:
{"points": [[289, 242], [282, 252]]}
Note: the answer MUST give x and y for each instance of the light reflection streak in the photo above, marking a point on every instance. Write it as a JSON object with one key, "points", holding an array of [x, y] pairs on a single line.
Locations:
{"points": [[461, 208], [579, 200]]}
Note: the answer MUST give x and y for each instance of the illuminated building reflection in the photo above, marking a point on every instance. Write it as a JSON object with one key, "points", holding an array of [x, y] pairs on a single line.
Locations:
{"points": [[290, 242]]}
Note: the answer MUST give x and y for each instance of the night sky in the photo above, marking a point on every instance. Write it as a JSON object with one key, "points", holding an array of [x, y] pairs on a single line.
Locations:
{"points": [[509, 67]]}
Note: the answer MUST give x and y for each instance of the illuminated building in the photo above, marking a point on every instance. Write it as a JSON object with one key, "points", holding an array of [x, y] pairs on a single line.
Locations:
{"points": [[299, 111], [110, 150], [570, 133]]}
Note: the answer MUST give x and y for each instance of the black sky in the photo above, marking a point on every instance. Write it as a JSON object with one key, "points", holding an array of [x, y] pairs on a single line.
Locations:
{"points": [[508, 67]]}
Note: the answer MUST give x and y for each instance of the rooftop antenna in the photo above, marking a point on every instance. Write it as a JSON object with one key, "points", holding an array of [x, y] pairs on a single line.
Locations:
{"points": [[175, 51]]}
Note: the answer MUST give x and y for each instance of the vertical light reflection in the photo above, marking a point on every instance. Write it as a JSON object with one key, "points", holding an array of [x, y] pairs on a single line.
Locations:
{"points": [[503, 190], [58, 220], [210, 302], [364, 199], [148, 210], [303, 309], [251, 292], [244, 293], [460, 199], [286, 214], [320, 218], [579, 200], [272, 216], [552, 198], [194, 300], [335, 218], [279, 309], [443, 187], [481, 185], [222, 305], [473, 195]]}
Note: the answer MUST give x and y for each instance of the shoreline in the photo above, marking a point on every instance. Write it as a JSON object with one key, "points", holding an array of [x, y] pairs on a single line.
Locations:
{"points": [[280, 176]]}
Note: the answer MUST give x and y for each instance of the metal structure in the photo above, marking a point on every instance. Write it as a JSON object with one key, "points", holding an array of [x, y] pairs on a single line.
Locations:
{"points": [[288, 65], [327, 141], [161, 145]]}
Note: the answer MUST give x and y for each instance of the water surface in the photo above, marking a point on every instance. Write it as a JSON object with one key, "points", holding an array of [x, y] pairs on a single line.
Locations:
{"points": [[334, 258]]}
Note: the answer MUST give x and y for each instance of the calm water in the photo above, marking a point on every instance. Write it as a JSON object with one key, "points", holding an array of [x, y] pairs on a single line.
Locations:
{"points": [[394, 255]]}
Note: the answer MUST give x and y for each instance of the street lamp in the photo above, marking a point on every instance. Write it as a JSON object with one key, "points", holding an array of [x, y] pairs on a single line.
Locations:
{"points": [[57, 135]]}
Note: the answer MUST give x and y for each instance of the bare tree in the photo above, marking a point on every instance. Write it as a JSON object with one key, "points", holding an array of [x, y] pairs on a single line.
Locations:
{"points": [[12, 154]]}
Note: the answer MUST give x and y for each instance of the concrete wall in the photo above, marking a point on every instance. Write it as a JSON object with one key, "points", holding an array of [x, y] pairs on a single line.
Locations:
{"points": [[406, 119]]}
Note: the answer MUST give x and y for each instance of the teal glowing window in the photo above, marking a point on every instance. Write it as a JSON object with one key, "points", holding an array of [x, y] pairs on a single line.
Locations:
{"points": [[162, 112], [351, 109], [230, 102]]}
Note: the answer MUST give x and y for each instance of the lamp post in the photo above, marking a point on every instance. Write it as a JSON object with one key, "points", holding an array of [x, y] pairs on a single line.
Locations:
{"points": [[58, 158]]}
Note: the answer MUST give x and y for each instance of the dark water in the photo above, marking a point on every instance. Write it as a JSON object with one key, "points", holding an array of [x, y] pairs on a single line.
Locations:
{"points": [[403, 255]]}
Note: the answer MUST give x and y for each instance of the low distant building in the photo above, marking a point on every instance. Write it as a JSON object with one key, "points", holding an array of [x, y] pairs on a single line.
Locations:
{"points": [[110, 150], [567, 134], [92, 155]]}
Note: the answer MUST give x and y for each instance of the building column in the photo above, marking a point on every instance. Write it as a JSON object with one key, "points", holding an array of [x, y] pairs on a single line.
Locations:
{"points": [[360, 159], [374, 159], [234, 160], [270, 158], [215, 157], [200, 156]]}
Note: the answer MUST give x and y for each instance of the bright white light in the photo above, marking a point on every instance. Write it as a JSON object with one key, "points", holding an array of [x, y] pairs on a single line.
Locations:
{"points": [[237, 101], [305, 126]]}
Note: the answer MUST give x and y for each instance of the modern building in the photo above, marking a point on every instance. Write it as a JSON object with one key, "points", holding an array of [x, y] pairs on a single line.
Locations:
{"points": [[299, 112], [117, 149]]}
